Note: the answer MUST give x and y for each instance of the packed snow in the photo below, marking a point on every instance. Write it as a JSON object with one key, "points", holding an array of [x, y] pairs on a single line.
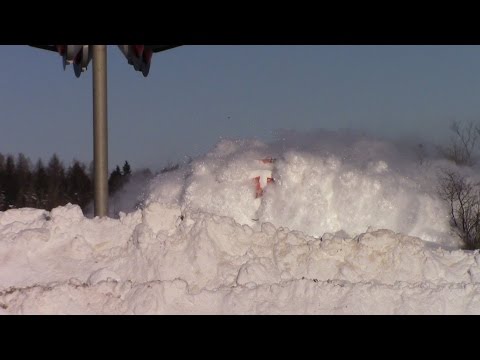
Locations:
{"points": [[344, 224]]}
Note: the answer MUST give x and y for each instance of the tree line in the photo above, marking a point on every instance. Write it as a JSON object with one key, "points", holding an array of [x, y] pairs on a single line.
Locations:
{"points": [[48, 186]]}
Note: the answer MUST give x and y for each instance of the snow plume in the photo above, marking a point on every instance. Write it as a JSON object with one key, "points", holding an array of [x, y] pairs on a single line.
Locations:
{"points": [[324, 182], [130, 196]]}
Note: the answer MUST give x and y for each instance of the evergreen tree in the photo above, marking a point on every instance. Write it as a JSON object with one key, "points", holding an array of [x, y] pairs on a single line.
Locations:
{"points": [[115, 181], [3, 202], [56, 194], [10, 183], [24, 197], [91, 172], [126, 169], [40, 179], [79, 187]]}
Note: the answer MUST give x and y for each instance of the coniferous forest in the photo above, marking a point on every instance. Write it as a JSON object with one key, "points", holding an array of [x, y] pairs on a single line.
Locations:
{"points": [[48, 185]]}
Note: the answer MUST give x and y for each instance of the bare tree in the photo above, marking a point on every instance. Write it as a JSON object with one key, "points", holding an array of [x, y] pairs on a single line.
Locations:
{"points": [[463, 198], [462, 144]]}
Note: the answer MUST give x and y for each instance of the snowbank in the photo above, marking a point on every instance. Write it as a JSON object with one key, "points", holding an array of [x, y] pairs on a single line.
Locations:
{"points": [[163, 260]]}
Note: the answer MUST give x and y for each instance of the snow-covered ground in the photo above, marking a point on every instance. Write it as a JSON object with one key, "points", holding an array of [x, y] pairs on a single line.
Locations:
{"points": [[349, 225]]}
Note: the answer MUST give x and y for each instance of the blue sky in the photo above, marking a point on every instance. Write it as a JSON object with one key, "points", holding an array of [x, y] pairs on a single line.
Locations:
{"points": [[196, 95]]}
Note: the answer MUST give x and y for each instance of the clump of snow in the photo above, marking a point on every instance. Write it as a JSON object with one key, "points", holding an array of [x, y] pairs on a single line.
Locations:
{"points": [[350, 225]]}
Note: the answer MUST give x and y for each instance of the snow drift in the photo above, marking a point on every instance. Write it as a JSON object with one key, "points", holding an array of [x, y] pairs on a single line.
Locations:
{"points": [[350, 225], [161, 260]]}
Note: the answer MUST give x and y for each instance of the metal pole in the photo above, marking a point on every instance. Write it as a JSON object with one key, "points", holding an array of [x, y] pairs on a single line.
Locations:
{"points": [[100, 130]]}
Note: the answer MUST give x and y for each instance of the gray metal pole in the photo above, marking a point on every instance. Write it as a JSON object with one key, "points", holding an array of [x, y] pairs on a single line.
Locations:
{"points": [[100, 130]]}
